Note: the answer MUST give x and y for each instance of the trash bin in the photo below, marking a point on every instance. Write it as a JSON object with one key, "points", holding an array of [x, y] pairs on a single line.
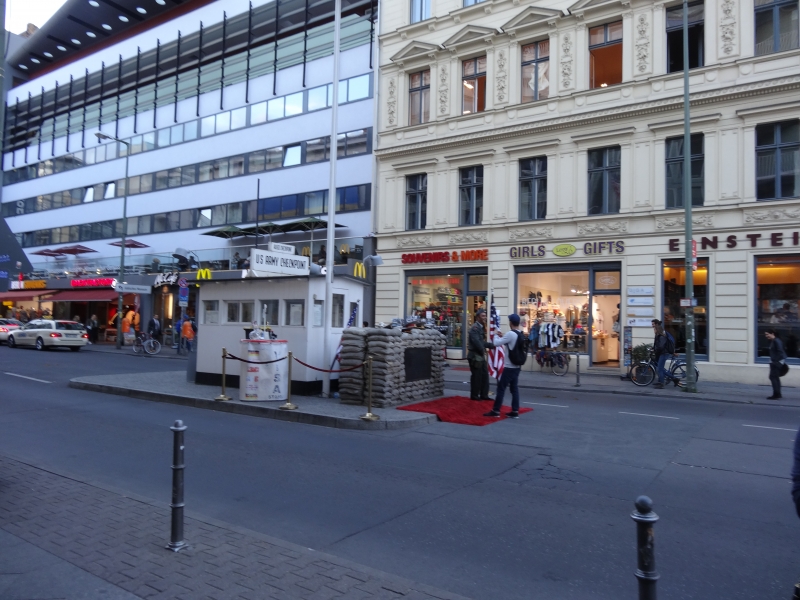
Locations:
{"points": [[262, 382]]}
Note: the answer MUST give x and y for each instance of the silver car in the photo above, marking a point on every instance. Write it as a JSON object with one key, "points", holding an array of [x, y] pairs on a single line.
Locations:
{"points": [[45, 334], [7, 326]]}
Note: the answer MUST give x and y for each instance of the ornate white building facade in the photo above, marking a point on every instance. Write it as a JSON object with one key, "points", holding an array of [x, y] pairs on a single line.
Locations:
{"points": [[534, 152]]}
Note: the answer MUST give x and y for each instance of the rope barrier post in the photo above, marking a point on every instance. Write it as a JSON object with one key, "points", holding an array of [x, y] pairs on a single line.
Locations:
{"points": [[577, 369], [177, 543], [289, 405], [369, 416], [223, 396]]}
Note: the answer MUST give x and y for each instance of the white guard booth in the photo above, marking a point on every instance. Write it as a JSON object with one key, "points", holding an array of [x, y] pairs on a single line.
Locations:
{"points": [[280, 292]]}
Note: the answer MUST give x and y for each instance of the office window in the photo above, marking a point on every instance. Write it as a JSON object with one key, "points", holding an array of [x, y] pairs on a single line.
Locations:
{"points": [[207, 126], [474, 85], [420, 10], [291, 156], [239, 118], [675, 37], [258, 113], [776, 26], [256, 161], [223, 122], [318, 98], [315, 203], [269, 312], [674, 165], [778, 160], [352, 143], [416, 201], [533, 188], [471, 2], [295, 312], [604, 180], [176, 134], [204, 217], [163, 138], [536, 71], [210, 312], [316, 150], [470, 192], [605, 55], [419, 100], [293, 105]]}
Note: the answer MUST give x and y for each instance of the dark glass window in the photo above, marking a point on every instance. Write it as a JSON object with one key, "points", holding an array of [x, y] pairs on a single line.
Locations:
{"points": [[533, 188], [674, 314], [674, 166], [419, 97], [778, 160], [470, 193], [604, 180], [605, 55], [416, 201], [776, 26], [777, 297], [695, 17], [536, 71]]}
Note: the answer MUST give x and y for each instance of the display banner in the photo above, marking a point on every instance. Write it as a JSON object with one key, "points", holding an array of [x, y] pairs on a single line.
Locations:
{"points": [[264, 263]]}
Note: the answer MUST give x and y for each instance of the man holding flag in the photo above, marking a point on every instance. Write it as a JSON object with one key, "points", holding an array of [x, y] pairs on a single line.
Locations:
{"points": [[509, 372], [476, 355]]}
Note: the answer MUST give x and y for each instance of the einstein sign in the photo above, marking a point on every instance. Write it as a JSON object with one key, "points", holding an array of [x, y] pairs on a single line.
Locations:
{"points": [[266, 264]]}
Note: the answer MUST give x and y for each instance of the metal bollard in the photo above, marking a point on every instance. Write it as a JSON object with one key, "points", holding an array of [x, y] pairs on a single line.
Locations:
{"points": [[645, 547], [177, 543], [577, 370], [369, 416], [223, 396], [289, 405]]}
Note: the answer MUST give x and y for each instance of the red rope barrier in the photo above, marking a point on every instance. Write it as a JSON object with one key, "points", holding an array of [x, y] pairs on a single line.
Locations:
{"points": [[329, 370], [254, 362]]}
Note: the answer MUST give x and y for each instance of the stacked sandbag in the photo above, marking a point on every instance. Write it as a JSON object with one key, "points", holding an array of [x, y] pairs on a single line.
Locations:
{"points": [[424, 388], [351, 383], [386, 348]]}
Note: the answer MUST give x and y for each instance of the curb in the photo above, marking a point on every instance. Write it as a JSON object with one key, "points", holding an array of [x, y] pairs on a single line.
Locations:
{"points": [[252, 410], [120, 353], [670, 394]]}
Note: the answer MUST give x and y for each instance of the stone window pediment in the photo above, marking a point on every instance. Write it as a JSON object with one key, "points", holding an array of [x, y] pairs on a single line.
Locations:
{"points": [[469, 35], [414, 51], [531, 17]]}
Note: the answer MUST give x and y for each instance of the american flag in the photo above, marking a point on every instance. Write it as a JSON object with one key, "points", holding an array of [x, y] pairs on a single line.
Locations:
{"points": [[349, 324], [496, 356]]}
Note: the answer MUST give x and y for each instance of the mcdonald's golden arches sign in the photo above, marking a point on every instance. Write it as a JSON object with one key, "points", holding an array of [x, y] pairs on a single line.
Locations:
{"points": [[203, 274], [359, 270]]}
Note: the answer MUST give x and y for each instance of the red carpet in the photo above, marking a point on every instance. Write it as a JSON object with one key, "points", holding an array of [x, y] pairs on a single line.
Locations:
{"points": [[461, 410]]}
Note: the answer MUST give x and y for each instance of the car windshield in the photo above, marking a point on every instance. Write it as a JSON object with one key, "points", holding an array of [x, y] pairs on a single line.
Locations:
{"points": [[10, 322], [68, 326]]}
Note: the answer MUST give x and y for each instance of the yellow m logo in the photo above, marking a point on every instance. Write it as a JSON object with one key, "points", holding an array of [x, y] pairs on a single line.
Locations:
{"points": [[359, 270], [203, 274]]}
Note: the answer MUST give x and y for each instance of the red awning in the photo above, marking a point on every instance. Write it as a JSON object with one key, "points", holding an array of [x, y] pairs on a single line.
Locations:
{"points": [[24, 295], [85, 296]]}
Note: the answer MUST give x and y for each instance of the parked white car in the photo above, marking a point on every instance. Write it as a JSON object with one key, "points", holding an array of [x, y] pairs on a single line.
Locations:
{"points": [[7, 326], [45, 334]]}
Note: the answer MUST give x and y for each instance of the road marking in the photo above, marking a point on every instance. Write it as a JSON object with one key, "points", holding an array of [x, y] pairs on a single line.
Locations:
{"points": [[764, 427], [26, 377], [542, 404], [644, 415]]}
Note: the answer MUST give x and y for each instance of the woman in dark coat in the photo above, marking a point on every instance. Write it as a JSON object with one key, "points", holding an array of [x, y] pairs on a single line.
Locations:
{"points": [[777, 358]]}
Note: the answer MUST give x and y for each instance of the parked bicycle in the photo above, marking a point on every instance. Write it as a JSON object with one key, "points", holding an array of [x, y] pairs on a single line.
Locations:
{"points": [[645, 372], [146, 343], [557, 361]]}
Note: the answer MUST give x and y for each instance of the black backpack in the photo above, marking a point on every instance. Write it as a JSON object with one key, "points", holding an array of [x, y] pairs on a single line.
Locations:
{"points": [[669, 347], [519, 353]]}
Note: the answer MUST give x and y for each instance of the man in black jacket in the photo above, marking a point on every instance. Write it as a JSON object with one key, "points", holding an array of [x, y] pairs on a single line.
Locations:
{"points": [[476, 355], [154, 327], [777, 357]]}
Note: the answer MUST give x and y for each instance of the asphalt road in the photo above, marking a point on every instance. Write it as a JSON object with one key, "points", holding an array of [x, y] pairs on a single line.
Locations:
{"points": [[533, 508]]}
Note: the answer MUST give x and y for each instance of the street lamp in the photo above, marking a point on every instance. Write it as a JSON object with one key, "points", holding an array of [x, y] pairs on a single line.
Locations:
{"points": [[121, 278]]}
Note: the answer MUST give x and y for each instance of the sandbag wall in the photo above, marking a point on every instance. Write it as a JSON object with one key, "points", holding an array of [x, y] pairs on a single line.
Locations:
{"points": [[387, 348]]}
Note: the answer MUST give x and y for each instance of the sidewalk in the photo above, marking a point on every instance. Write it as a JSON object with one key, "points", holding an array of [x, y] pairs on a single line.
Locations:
{"points": [[610, 383], [172, 387], [114, 546], [110, 348]]}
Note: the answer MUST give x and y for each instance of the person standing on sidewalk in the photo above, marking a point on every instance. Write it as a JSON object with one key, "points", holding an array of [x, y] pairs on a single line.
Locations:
{"points": [[664, 347], [476, 356], [510, 376], [777, 358]]}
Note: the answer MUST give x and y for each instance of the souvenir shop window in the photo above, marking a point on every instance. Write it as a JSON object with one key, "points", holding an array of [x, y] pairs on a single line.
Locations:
{"points": [[554, 309], [777, 294], [673, 316], [438, 300]]}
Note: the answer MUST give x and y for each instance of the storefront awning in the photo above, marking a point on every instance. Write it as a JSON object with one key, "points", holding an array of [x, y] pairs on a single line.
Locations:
{"points": [[85, 296], [24, 295]]}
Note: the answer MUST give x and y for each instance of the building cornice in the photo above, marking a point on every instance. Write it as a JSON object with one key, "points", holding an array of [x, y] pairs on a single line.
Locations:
{"points": [[591, 117]]}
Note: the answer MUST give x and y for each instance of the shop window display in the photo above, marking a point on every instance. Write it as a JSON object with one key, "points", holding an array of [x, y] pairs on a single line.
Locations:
{"points": [[777, 300], [440, 299], [674, 290]]}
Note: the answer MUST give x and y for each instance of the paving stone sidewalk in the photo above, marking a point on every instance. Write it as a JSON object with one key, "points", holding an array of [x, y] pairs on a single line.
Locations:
{"points": [[120, 539]]}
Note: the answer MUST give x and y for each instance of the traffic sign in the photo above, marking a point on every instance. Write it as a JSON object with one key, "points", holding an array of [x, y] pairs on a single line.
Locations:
{"points": [[126, 288], [182, 283], [183, 293]]}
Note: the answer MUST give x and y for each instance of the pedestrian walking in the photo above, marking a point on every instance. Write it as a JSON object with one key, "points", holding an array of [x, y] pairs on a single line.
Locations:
{"points": [[513, 338], [664, 347], [777, 360], [154, 327], [93, 325], [476, 356]]}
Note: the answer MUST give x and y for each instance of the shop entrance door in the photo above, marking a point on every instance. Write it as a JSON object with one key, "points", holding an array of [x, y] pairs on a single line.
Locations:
{"points": [[605, 315]]}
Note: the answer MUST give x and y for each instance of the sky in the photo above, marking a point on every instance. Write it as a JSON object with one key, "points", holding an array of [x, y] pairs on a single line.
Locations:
{"points": [[21, 12]]}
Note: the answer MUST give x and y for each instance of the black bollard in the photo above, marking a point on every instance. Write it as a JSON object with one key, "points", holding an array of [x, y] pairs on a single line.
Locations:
{"points": [[177, 543], [645, 547]]}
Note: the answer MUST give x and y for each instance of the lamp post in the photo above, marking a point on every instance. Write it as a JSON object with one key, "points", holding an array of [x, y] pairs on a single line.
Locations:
{"points": [[691, 382], [121, 279]]}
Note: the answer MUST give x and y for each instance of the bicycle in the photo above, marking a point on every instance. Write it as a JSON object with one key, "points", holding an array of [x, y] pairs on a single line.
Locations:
{"points": [[644, 373], [145, 343], [558, 361]]}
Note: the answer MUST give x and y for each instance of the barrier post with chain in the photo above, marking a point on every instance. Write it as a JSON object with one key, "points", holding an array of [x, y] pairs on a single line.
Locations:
{"points": [[223, 396], [288, 405], [369, 416]]}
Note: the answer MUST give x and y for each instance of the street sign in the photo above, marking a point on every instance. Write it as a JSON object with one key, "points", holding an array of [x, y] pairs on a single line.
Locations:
{"points": [[646, 290], [182, 283], [638, 322], [183, 297], [687, 302], [640, 301], [126, 288]]}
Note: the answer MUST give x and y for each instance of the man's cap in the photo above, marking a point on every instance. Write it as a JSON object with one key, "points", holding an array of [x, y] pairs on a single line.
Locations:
{"points": [[513, 318], [480, 311]]}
